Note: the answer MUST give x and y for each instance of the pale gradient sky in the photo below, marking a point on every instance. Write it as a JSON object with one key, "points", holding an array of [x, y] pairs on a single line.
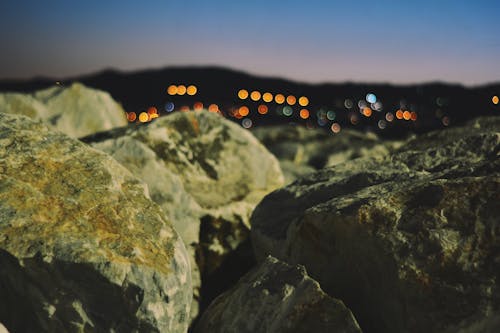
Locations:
{"points": [[314, 41]]}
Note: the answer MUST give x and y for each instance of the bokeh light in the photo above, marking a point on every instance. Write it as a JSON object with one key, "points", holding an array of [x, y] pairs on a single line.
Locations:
{"points": [[335, 128], [184, 108], [169, 106], [354, 119], [213, 108], [399, 114], [495, 100], [407, 115], [191, 90], [267, 97], [367, 112], [181, 90], [371, 98], [303, 101], [198, 106], [304, 113], [152, 110], [331, 115], [348, 103], [255, 96], [389, 116], [291, 100], [287, 111], [243, 94], [247, 123], [446, 121], [243, 111], [131, 116], [413, 116], [143, 117], [382, 124], [262, 109], [279, 98], [172, 90]]}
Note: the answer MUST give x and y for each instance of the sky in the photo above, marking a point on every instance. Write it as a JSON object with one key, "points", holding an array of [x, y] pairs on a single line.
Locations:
{"points": [[311, 41]]}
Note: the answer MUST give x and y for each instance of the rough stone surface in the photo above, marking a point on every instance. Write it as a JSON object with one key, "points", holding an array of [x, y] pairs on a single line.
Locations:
{"points": [[302, 151], [75, 110], [276, 297], [206, 173], [82, 246], [410, 242]]}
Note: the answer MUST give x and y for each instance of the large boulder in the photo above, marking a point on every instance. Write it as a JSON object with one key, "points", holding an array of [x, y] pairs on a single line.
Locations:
{"points": [[302, 150], [75, 110], [276, 297], [207, 174], [410, 242], [82, 246]]}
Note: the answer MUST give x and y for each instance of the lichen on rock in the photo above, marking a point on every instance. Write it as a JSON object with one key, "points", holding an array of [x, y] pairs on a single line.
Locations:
{"points": [[82, 246]]}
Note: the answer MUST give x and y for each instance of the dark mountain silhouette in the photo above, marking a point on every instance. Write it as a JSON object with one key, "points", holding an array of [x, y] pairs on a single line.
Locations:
{"points": [[435, 103]]}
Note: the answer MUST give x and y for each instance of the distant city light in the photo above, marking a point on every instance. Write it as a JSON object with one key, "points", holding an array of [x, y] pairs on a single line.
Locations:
{"points": [[413, 116], [371, 98], [335, 128], [172, 90], [389, 116], [198, 106], [291, 100], [279, 98], [304, 113], [399, 114], [262, 109], [367, 112], [255, 96], [152, 110], [331, 115], [143, 117], [407, 115], [213, 108], [169, 106], [246, 123], [495, 100], [243, 111], [303, 101], [131, 116], [287, 111], [181, 90], [243, 94], [267, 97], [191, 90]]}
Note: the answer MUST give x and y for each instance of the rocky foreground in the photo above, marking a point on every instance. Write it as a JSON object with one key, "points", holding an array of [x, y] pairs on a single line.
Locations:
{"points": [[130, 229]]}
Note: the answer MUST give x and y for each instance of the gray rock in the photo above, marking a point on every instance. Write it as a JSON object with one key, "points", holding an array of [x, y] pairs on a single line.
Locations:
{"points": [[410, 242], [75, 110], [276, 297], [302, 151], [82, 246], [206, 173]]}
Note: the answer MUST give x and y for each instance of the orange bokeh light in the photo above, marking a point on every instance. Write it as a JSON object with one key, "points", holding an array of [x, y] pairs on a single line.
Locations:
{"points": [[243, 94], [413, 116], [213, 108], [255, 96], [152, 110], [407, 115], [198, 106], [262, 109], [279, 98], [304, 113], [131, 116], [367, 112], [291, 100], [495, 100], [191, 90], [303, 101], [243, 111], [267, 97], [181, 90], [172, 90], [399, 114]]}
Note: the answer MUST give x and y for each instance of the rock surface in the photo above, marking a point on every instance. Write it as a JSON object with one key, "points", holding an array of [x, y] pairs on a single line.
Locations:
{"points": [[82, 246], [410, 242], [302, 151], [206, 173], [276, 297], [75, 110]]}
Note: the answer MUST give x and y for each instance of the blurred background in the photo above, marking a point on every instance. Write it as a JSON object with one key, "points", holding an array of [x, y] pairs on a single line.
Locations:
{"points": [[390, 67]]}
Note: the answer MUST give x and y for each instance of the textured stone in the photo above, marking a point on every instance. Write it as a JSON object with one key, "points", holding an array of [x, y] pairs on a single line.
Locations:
{"points": [[302, 151], [75, 110], [410, 242], [82, 246], [276, 297], [206, 173]]}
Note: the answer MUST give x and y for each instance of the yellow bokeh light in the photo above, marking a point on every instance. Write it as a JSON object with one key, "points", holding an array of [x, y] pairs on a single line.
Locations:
{"points": [[143, 117], [303, 101], [181, 90], [243, 111], [191, 90], [495, 100], [291, 100], [304, 114], [243, 94], [262, 109], [172, 90], [267, 97], [255, 95], [279, 98]]}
